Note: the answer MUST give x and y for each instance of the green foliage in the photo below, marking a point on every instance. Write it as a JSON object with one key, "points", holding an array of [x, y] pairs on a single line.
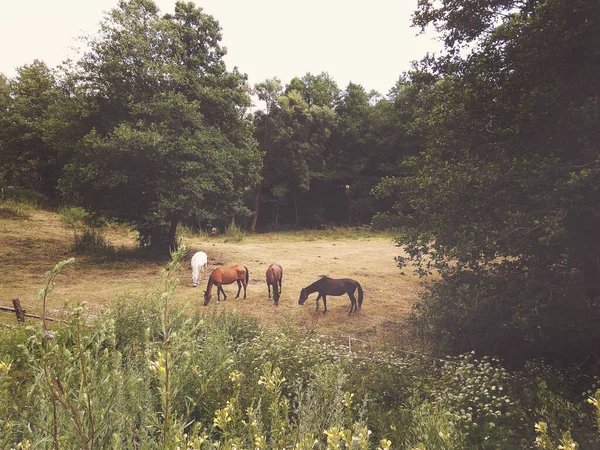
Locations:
{"points": [[142, 372], [93, 242], [504, 184], [29, 156], [72, 216], [12, 210], [26, 197], [234, 234], [176, 147]]}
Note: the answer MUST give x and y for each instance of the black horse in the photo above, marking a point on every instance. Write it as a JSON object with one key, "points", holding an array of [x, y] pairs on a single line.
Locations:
{"points": [[333, 286]]}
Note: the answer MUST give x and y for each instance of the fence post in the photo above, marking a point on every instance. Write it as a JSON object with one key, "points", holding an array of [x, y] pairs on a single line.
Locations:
{"points": [[18, 310]]}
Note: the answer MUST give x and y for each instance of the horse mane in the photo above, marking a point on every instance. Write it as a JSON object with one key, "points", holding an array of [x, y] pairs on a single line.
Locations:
{"points": [[313, 285], [209, 284]]}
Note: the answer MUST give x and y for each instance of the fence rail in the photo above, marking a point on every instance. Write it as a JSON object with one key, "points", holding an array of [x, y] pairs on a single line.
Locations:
{"points": [[22, 313]]}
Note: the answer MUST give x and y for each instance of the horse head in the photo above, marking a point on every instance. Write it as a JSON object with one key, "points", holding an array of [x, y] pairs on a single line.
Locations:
{"points": [[303, 297], [206, 298]]}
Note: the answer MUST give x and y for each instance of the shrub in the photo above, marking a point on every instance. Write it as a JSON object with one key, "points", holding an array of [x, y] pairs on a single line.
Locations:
{"points": [[234, 234], [14, 211], [26, 197], [93, 242], [73, 217]]}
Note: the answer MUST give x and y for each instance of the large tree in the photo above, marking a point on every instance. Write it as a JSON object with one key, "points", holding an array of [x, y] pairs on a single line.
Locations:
{"points": [[29, 156], [509, 183], [294, 134], [170, 141]]}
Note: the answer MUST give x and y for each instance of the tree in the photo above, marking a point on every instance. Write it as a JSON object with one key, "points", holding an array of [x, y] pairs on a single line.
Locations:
{"points": [[29, 159], [170, 141], [299, 144], [294, 134], [508, 183], [370, 142], [267, 91]]}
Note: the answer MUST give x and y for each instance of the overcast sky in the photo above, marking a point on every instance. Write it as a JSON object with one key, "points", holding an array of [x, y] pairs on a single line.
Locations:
{"points": [[367, 42]]}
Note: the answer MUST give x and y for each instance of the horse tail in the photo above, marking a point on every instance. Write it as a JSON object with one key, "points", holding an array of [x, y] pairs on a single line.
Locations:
{"points": [[247, 275], [360, 295]]}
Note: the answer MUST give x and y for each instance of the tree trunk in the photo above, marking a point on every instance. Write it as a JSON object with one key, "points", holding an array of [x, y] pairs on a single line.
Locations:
{"points": [[172, 238], [256, 207], [232, 224], [276, 217], [296, 209], [349, 210]]}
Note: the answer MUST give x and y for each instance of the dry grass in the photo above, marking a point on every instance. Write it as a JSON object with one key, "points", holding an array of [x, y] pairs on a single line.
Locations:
{"points": [[29, 247]]}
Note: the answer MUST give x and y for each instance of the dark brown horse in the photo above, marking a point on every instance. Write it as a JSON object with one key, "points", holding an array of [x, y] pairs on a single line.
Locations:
{"points": [[274, 277], [226, 275], [333, 286]]}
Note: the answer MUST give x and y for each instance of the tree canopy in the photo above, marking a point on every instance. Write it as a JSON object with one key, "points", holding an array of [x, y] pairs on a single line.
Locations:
{"points": [[508, 182], [169, 140]]}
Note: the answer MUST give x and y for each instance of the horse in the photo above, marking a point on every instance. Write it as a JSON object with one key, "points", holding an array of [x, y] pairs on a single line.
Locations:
{"points": [[226, 275], [333, 286], [274, 277], [199, 262]]}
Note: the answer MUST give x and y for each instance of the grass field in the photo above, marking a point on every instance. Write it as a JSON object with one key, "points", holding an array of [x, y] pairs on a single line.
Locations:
{"points": [[32, 243]]}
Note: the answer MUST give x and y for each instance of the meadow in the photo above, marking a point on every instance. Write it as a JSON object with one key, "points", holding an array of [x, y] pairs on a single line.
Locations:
{"points": [[29, 247], [139, 362]]}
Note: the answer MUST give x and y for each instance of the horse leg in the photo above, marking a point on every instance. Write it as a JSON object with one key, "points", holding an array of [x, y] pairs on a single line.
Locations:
{"points": [[239, 283], [352, 303], [324, 303], [245, 285], [269, 286], [218, 293], [280, 280], [223, 291]]}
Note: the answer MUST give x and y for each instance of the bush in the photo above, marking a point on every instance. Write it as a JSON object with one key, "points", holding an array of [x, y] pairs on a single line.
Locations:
{"points": [[73, 217], [26, 197], [93, 242], [14, 211], [515, 317], [234, 234]]}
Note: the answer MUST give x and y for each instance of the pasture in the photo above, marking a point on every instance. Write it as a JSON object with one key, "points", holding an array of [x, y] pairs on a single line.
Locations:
{"points": [[30, 246]]}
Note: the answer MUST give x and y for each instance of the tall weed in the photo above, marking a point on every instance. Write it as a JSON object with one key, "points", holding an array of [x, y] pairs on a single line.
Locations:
{"points": [[146, 375], [13, 210], [234, 234]]}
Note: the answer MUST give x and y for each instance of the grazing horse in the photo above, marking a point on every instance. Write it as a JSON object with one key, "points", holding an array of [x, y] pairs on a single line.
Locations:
{"points": [[333, 286], [226, 275], [199, 263], [274, 277]]}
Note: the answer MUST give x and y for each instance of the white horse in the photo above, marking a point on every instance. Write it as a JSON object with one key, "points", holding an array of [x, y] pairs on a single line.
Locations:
{"points": [[199, 261]]}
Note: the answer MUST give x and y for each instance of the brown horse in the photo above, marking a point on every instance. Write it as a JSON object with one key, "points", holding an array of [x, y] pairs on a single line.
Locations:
{"points": [[274, 277], [226, 275], [333, 286]]}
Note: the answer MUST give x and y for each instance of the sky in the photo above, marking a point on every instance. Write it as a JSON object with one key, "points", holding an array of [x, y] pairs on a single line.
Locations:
{"points": [[366, 42]]}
